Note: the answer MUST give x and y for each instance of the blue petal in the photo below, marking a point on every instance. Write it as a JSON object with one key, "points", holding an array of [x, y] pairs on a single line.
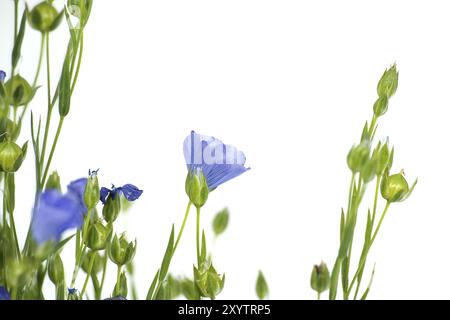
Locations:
{"points": [[76, 190], [54, 214], [104, 192], [4, 295], [219, 162], [2, 75], [130, 192]]}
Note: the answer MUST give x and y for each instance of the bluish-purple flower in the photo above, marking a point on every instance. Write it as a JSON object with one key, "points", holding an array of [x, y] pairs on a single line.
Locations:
{"points": [[129, 191], [4, 294], [2, 75], [218, 162], [76, 190], [54, 214]]}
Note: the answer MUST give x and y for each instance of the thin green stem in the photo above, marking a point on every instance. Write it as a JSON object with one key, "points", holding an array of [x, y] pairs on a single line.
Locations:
{"points": [[88, 275], [105, 265], [77, 70], [49, 103], [318, 295], [380, 222], [188, 208], [81, 254], [52, 151], [364, 257], [186, 214], [197, 233]]}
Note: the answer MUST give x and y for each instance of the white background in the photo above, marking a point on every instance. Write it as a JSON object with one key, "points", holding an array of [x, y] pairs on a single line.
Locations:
{"points": [[288, 82]]}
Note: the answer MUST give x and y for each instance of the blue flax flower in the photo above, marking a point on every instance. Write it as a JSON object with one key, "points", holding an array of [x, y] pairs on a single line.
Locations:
{"points": [[76, 190], [2, 75], [129, 191], [4, 295], [54, 214], [218, 162]]}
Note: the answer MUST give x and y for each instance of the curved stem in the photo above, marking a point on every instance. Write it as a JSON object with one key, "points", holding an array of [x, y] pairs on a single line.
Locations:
{"points": [[105, 265], [186, 214]]}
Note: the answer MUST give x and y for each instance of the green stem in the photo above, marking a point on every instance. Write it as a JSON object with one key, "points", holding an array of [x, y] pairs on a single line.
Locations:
{"points": [[186, 214], [88, 275], [364, 257], [80, 256], [379, 223], [49, 103], [77, 70], [197, 233], [16, 18], [365, 248], [105, 265], [52, 151], [318, 295]]}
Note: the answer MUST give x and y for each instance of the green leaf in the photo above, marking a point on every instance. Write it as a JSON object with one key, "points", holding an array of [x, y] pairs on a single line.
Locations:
{"points": [[18, 43], [64, 85], [262, 289], [220, 221], [334, 279], [344, 273], [167, 256], [151, 290], [368, 234]]}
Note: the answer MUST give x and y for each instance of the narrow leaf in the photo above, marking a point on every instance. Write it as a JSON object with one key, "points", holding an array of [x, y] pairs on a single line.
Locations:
{"points": [[18, 43], [167, 256], [151, 290]]}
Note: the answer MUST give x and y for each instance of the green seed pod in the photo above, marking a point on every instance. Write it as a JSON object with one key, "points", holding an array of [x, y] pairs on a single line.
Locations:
{"points": [[19, 91], [320, 278], [121, 251], [208, 281], [381, 157], [380, 106], [92, 192], [395, 188], [11, 156], [56, 269], [98, 265], [44, 17], [197, 188], [111, 209], [388, 82], [97, 236], [53, 182], [357, 157]]}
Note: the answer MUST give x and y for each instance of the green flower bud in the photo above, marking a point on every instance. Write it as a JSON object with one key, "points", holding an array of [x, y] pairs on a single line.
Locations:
{"points": [[220, 221], [380, 106], [11, 156], [388, 82], [395, 188], [98, 265], [121, 251], [383, 158], [44, 17], [262, 289], [358, 157], [197, 188], [18, 91], [208, 281], [56, 269], [53, 182], [121, 287], [320, 278], [111, 209], [92, 191], [368, 170], [97, 236]]}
